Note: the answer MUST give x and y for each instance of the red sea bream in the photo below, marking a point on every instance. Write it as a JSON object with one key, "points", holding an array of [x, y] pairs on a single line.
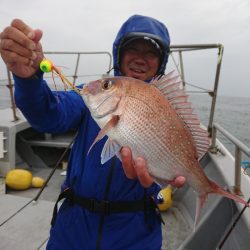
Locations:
{"points": [[157, 122]]}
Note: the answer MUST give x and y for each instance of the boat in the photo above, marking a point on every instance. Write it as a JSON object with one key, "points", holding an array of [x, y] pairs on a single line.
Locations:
{"points": [[25, 215]]}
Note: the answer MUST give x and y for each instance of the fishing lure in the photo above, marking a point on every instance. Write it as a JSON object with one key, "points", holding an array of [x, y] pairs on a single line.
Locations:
{"points": [[47, 66]]}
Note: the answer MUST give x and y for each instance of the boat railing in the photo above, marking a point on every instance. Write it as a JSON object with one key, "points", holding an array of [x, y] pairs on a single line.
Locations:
{"points": [[239, 149], [178, 50], [78, 57], [74, 76]]}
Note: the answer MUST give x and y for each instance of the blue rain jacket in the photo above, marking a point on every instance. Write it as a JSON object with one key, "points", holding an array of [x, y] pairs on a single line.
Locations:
{"points": [[76, 227]]}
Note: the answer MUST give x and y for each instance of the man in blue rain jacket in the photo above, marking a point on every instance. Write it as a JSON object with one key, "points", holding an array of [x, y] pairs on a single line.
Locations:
{"points": [[109, 206]]}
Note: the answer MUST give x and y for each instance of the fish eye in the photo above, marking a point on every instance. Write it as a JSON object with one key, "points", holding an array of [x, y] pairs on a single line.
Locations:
{"points": [[106, 84]]}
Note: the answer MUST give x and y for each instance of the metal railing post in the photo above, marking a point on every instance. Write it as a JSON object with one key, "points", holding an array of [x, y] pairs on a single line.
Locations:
{"points": [[13, 105], [182, 68], [76, 68], [213, 146], [216, 84], [239, 149], [237, 171]]}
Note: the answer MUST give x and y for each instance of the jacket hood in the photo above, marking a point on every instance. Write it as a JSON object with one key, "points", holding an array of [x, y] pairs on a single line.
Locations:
{"points": [[138, 26]]}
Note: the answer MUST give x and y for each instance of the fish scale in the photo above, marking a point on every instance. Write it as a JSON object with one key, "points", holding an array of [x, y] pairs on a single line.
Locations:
{"points": [[135, 134], [161, 127]]}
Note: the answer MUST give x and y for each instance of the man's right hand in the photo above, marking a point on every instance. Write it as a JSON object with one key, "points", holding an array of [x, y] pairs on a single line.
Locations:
{"points": [[138, 169], [20, 48]]}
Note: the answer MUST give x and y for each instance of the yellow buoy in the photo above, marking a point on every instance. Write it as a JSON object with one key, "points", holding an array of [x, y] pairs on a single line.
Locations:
{"points": [[37, 182], [166, 195], [18, 179]]}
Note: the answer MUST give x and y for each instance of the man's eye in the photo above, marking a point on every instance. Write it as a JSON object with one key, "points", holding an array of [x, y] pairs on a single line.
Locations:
{"points": [[106, 84], [131, 50], [151, 54]]}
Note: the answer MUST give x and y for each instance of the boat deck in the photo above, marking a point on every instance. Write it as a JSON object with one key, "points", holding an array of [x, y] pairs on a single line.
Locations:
{"points": [[25, 225]]}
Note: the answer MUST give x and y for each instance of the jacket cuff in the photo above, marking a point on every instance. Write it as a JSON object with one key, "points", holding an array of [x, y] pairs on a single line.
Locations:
{"points": [[37, 77]]}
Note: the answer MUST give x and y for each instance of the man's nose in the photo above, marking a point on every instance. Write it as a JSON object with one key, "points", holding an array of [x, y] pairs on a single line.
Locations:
{"points": [[141, 54], [140, 57], [140, 60]]}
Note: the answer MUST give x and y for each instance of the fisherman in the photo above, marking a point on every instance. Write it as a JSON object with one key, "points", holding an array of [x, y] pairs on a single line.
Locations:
{"points": [[109, 206]]}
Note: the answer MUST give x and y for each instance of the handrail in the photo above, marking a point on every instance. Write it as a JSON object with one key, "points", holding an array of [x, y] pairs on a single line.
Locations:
{"points": [[75, 76], [239, 148], [190, 47], [78, 58], [173, 49]]}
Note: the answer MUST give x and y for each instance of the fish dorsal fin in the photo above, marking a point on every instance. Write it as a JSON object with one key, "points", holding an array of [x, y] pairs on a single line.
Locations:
{"points": [[170, 86]]}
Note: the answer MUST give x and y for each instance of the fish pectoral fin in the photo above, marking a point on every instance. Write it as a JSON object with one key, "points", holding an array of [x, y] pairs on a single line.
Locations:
{"points": [[110, 149], [109, 125]]}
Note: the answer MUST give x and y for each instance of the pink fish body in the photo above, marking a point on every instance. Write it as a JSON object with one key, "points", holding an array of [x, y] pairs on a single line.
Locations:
{"points": [[157, 122]]}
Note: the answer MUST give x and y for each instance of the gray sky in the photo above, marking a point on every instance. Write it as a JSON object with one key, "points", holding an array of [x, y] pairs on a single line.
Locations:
{"points": [[79, 25]]}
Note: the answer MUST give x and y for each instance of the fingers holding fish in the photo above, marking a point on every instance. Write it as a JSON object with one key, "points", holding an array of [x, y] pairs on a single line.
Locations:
{"points": [[178, 181], [142, 172], [127, 163], [135, 168]]}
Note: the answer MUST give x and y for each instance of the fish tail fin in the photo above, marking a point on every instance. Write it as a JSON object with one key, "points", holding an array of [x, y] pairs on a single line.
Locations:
{"points": [[218, 190], [200, 201]]}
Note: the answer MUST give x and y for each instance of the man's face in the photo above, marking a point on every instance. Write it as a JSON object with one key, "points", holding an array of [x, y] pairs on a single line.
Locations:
{"points": [[140, 59]]}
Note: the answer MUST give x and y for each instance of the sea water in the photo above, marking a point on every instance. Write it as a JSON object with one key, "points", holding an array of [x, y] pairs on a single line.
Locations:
{"points": [[232, 113]]}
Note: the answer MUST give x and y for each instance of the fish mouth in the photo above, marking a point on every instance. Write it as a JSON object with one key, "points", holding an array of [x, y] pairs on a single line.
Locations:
{"points": [[85, 90]]}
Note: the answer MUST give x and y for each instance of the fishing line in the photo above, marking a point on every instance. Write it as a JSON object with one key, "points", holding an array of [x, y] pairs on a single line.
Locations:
{"points": [[48, 178], [53, 170], [47, 66], [232, 227], [44, 185], [19, 210], [232, 216]]}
